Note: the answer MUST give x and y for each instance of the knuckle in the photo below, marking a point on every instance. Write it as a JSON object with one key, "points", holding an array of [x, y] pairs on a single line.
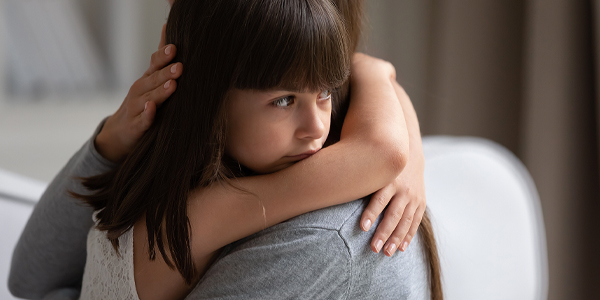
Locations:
{"points": [[382, 200], [154, 79], [136, 85], [370, 213], [154, 58], [408, 220], [396, 214], [417, 222], [394, 239], [383, 235], [146, 97], [166, 71], [419, 218]]}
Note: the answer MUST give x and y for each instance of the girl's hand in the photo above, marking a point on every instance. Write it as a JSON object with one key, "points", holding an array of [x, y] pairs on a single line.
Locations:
{"points": [[125, 127], [406, 194], [406, 198]]}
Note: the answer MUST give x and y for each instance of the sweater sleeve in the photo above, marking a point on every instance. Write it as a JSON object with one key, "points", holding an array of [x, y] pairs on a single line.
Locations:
{"points": [[292, 263], [50, 255]]}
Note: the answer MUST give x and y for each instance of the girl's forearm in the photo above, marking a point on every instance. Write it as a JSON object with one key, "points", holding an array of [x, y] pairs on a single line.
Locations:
{"points": [[372, 151], [412, 124]]}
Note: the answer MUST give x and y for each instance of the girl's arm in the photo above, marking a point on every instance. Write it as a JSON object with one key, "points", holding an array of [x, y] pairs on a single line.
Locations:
{"points": [[371, 153], [407, 193]]}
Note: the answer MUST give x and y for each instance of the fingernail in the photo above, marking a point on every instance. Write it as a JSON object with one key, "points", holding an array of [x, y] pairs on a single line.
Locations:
{"points": [[168, 50], [174, 69], [404, 245], [378, 245], [146, 106], [390, 249], [167, 84], [367, 225]]}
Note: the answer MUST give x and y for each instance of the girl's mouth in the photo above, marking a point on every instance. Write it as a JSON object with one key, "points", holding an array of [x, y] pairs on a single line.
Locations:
{"points": [[305, 154]]}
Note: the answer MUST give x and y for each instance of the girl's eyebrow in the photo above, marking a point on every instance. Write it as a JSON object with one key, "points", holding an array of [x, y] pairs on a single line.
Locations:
{"points": [[279, 92], [283, 90]]}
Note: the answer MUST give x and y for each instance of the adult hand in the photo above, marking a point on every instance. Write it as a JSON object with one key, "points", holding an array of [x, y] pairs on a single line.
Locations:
{"points": [[125, 127]]}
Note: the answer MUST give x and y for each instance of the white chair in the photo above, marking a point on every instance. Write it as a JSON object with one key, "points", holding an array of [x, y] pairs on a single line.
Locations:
{"points": [[18, 195], [487, 220]]}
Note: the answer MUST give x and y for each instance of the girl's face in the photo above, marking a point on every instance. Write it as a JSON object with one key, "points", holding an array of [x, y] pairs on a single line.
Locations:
{"points": [[269, 130]]}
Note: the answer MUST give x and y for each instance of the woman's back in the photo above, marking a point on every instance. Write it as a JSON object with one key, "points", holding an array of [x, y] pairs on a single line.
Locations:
{"points": [[318, 255]]}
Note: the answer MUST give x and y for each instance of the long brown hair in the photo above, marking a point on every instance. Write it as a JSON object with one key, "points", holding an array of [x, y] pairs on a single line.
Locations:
{"points": [[246, 44], [353, 13]]}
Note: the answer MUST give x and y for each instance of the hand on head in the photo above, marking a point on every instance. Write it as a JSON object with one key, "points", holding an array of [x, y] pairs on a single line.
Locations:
{"points": [[125, 127]]}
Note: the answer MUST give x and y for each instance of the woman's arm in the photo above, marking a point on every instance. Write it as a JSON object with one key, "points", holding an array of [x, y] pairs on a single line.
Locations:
{"points": [[51, 252]]}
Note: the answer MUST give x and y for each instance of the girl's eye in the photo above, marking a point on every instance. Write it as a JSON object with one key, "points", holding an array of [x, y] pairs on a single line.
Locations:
{"points": [[284, 102], [325, 95]]}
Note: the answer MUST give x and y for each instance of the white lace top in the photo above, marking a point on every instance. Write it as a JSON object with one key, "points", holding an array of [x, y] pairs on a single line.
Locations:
{"points": [[107, 274]]}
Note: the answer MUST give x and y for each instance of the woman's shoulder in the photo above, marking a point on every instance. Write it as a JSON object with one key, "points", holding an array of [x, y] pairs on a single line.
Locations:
{"points": [[334, 217]]}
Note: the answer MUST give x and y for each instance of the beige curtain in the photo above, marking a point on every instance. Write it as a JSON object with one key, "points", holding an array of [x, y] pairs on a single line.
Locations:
{"points": [[526, 75]]}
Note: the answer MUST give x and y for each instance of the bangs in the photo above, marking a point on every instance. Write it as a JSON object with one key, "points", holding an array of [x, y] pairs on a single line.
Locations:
{"points": [[296, 45]]}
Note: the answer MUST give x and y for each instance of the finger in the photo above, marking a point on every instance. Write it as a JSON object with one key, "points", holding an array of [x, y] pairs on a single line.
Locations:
{"points": [[392, 217], [401, 231], [163, 92], [158, 78], [147, 116], [161, 58], [413, 229], [157, 96], [162, 42], [378, 202]]}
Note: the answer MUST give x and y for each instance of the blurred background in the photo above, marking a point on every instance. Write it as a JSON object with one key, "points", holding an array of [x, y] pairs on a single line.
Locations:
{"points": [[521, 73]]}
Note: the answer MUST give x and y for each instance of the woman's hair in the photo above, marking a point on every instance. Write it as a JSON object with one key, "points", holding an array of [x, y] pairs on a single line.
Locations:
{"points": [[224, 44]]}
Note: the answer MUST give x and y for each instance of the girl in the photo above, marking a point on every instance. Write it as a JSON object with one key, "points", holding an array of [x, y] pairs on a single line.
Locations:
{"points": [[261, 103], [162, 142]]}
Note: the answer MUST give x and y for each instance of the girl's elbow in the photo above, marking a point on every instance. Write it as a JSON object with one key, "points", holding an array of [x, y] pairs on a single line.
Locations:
{"points": [[394, 154], [398, 158]]}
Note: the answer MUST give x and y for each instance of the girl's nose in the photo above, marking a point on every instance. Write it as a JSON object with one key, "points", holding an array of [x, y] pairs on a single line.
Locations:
{"points": [[311, 123]]}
